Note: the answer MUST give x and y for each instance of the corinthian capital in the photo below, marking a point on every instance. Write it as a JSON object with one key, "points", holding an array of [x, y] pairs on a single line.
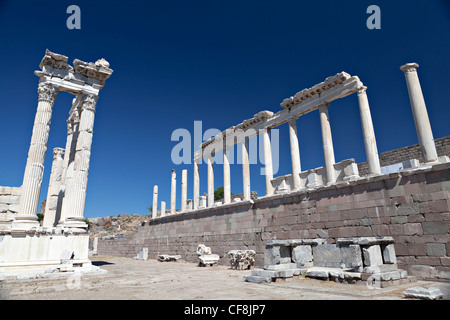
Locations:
{"points": [[89, 102], [47, 92]]}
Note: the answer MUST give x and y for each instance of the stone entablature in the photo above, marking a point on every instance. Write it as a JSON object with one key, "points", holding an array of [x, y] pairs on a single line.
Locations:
{"points": [[318, 97], [25, 245]]}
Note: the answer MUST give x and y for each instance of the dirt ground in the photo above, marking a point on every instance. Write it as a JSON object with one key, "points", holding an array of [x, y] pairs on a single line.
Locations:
{"points": [[129, 279]]}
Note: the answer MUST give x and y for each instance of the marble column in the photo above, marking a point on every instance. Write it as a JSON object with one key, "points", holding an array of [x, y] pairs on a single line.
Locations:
{"points": [[268, 169], [173, 193], [419, 109], [32, 181], [295, 153], [69, 156], [210, 160], [76, 191], [53, 188], [163, 208], [368, 132], [155, 202], [327, 142], [245, 170], [196, 192], [226, 176], [183, 190]]}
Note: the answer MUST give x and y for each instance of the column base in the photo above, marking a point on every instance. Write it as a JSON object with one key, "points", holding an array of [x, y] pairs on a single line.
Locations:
{"points": [[24, 224], [76, 224]]}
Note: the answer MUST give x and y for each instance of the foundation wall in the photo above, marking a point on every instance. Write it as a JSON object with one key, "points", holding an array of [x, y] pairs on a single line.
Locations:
{"points": [[411, 206]]}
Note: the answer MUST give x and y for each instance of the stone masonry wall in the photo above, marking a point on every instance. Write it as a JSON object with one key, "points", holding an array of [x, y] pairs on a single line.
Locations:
{"points": [[406, 153], [411, 206]]}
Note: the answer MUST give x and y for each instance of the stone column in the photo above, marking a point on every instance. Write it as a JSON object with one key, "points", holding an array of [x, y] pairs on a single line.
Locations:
{"points": [[226, 176], [368, 133], [295, 153], [32, 180], [76, 191], [69, 157], [327, 141], [53, 188], [163, 208], [155, 202], [196, 194], [419, 109], [173, 193], [268, 171], [245, 170], [210, 181], [183, 190]]}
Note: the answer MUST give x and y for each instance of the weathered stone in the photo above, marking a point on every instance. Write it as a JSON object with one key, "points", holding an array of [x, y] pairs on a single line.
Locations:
{"points": [[436, 249], [241, 259], [257, 279], [327, 255], [389, 254], [430, 293], [167, 258], [278, 267], [277, 254], [351, 256], [142, 255], [302, 255], [317, 272], [372, 255], [435, 227]]}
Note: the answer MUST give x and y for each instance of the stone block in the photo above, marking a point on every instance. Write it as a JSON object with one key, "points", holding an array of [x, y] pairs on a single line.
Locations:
{"points": [[372, 255], [435, 227], [327, 255], [302, 255], [389, 254], [264, 273], [257, 279], [316, 272], [277, 254], [430, 293], [407, 209], [351, 256], [436, 249], [278, 267]]}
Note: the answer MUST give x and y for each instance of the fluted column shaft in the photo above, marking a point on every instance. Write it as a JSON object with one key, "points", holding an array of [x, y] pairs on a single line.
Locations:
{"points": [[368, 133], [210, 181], [34, 170], [419, 109], [54, 188], [173, 192], [295, 153], [327, 142], [226, 176], [76, 189], [196, 192], [155, 202], [268, 168], [245, 170], [183, 190]]}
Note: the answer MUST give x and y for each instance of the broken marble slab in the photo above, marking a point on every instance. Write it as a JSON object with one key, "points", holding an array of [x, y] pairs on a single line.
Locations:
{"points": [[167, 257], [430, 293]]}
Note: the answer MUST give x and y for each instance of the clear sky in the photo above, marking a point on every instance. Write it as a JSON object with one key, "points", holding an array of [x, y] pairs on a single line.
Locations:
{"points": [[219, 62]]}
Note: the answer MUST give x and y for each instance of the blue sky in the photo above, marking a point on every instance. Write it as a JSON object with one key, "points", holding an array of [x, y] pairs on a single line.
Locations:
{"points": [[219, 62]]}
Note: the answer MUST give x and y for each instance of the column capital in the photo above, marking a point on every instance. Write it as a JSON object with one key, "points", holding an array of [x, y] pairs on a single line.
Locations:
{"points": [[89, 102], [323, 106], [293, 119], [47, 92], [58, 152], [409, 67], [362, 90]]}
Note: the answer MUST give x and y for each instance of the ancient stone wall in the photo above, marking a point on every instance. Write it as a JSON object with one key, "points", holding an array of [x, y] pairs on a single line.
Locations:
{"points": [[410, 152], [412, 206]]}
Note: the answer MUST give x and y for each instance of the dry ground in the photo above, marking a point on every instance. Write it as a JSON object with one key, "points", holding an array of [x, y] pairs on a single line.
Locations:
{"points": [[131, 279]]}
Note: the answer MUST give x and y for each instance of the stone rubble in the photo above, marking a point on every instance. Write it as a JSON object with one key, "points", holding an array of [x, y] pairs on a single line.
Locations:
{"points": [[241, 259], [205, 257]]}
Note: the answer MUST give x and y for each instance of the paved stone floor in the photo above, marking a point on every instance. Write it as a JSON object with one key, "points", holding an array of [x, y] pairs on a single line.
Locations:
{"points": [[129, 279]]}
